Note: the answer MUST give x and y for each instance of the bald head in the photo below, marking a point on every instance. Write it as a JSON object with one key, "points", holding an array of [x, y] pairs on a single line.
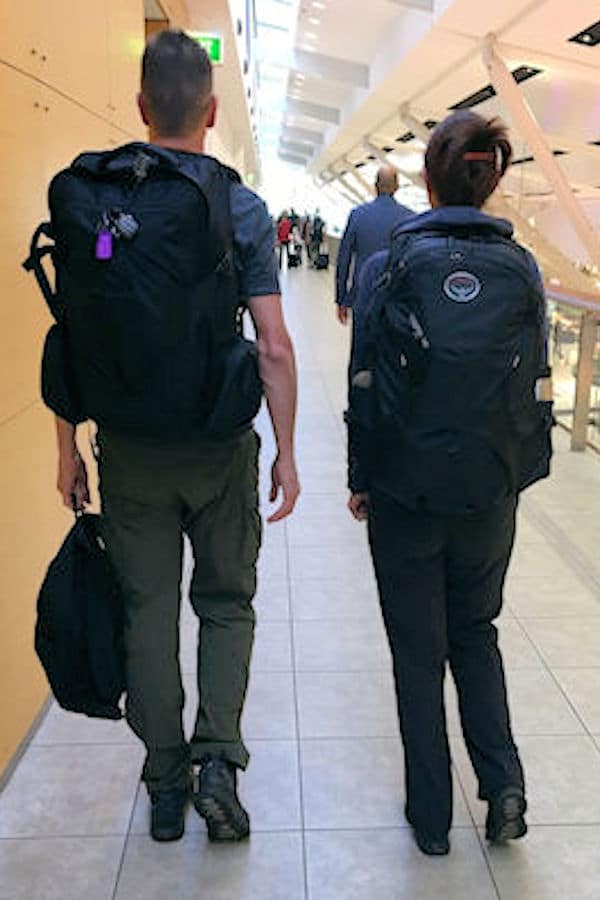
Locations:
{"points": [[387, 181]]}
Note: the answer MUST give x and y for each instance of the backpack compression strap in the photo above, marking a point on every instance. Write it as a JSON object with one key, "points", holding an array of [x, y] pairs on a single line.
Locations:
{"points": [[33, 263]]}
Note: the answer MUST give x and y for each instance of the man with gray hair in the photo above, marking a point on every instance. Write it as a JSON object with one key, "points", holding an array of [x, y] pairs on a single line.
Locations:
{"points": [[368, 231]]}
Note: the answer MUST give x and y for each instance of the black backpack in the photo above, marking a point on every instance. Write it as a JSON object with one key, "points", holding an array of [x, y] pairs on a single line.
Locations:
{"points": [[79, 628], [148, 337], [446, 403]]}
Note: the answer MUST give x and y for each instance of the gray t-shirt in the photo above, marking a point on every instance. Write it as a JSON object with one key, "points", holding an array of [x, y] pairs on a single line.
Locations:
{"points": [[253, 237], [254, 242]]}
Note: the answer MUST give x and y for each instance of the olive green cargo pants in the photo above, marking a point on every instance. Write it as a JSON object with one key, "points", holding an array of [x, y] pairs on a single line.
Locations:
{"points": [[152, 496]]}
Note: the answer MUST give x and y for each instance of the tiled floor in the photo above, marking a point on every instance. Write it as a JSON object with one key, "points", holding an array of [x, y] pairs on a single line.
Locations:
{"points": [[324, 787]]}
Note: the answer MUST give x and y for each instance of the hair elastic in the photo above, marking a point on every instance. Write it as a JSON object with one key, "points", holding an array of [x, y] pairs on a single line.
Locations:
{"points": [[493, 156]]}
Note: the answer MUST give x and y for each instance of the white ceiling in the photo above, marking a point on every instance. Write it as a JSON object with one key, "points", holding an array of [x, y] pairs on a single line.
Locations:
{"points": [[359, 63], [433, 60]]}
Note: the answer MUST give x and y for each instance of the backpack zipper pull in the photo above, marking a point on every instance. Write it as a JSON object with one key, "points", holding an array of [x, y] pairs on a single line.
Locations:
{"points": [[104, 239], [104, 245]]}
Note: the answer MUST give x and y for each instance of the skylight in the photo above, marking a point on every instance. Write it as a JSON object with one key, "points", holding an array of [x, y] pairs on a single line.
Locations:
{"points": [[275, 34]]}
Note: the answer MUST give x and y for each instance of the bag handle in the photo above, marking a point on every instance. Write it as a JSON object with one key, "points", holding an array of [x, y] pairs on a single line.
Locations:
{"points": [[33, 263]]}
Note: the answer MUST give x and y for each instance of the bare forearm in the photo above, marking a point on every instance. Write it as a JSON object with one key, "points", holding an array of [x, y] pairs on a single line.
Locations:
{"points": [[278, 372], [66, 437]]}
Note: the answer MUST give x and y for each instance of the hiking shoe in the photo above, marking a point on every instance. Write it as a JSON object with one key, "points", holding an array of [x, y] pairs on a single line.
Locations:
{"points": [[167, 818], [505, 819], [431, 846], [216, 800]]}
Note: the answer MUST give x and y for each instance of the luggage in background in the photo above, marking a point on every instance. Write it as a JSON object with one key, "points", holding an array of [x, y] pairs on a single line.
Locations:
{"points": [[322, 261]]}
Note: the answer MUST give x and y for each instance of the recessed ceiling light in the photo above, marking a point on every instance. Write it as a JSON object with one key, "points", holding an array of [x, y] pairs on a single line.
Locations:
{"points": [[317, 5], [589, 37], [300, 77], [314, 21], [310, 35]]}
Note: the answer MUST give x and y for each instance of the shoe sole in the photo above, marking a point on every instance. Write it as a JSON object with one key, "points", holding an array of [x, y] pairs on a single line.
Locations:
{"points": [[221, 820], [166, 837], [513, 826], [428, 850]]}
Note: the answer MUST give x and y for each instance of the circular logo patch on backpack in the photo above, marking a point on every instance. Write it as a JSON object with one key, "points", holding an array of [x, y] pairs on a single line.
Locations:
{"points": [[462, 287]]}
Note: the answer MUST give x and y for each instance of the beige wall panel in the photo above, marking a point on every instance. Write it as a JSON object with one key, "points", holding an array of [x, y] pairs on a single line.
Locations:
{"points": [[23, 319], [32, 524], [22, 35], [177, 13], [41, 134], [44, 133], [75, 41], [69, 131], [126, 41]]}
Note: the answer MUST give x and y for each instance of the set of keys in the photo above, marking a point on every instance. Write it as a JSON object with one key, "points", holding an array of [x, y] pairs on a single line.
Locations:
{"points": [[114, 225]]}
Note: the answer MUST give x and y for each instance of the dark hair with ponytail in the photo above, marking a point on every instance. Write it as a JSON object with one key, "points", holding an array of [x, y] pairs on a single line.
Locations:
{"points": [[466, 158]]}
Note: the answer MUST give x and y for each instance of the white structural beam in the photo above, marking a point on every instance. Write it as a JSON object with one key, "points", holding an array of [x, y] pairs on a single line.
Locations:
{"points": [[348, 186], [384, 157], [368, 188], [293, 159], [313, 111], [425, 5], [417, 127], [317, 64], [296, 148], [523, 117], [554, 263], [302, 135]]}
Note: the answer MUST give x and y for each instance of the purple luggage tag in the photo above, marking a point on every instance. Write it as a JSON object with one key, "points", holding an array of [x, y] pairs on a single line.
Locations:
{"points": [[104, 245]]}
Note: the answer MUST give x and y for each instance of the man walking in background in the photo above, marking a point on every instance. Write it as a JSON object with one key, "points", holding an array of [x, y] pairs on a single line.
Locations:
{"points": [[284, 233], [164, 478], [368, 231]]}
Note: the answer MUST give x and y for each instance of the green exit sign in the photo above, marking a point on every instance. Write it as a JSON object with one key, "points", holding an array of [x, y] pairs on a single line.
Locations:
{"points": [[212, 43]]}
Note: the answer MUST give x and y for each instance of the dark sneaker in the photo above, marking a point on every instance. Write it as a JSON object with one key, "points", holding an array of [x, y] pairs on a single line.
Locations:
{"points": [[167, 819], [216, 800], [431, 846], [505, 819]]}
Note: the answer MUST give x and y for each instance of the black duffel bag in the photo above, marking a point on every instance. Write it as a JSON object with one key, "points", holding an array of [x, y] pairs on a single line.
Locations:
{"points": [[79, 628]]}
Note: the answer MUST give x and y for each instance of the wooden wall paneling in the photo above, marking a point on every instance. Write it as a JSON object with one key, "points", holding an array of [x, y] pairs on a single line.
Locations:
{"points": [[155, 26], [69, 130], [32, 524], [23, 317], [22, 35], [126, 41], [76, 47]]}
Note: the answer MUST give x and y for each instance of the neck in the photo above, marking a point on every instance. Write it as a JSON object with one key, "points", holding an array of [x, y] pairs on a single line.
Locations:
{"points": [[192, 143]]}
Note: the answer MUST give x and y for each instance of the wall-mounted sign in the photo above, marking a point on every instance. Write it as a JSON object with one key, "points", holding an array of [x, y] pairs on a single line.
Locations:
{"points": [[212, 43]]}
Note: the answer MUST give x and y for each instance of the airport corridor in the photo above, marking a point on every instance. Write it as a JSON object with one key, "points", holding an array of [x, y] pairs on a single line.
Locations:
{"points": [[324, 786]]}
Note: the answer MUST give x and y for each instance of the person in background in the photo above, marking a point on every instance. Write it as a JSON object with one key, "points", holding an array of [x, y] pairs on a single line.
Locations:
{"points": [[317, 231], [369, 230], [284, 231], [439, 478]]}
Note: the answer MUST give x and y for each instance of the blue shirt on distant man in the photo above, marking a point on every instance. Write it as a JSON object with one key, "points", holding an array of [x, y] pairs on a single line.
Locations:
{"points": [[369, 230]]}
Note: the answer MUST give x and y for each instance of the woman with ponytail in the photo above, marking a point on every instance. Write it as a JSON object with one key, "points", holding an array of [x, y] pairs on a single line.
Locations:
{"points": [[445, 431]]}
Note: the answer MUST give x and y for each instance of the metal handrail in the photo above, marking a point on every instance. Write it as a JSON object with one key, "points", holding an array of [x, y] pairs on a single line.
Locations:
{"points": [[587, 302]]}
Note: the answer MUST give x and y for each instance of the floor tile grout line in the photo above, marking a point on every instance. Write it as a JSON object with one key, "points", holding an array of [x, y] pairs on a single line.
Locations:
{"points": [[479, 839], [550, 671], [340, 432], [297, 722], [291, 829], [126, 842], [579, 562]]}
